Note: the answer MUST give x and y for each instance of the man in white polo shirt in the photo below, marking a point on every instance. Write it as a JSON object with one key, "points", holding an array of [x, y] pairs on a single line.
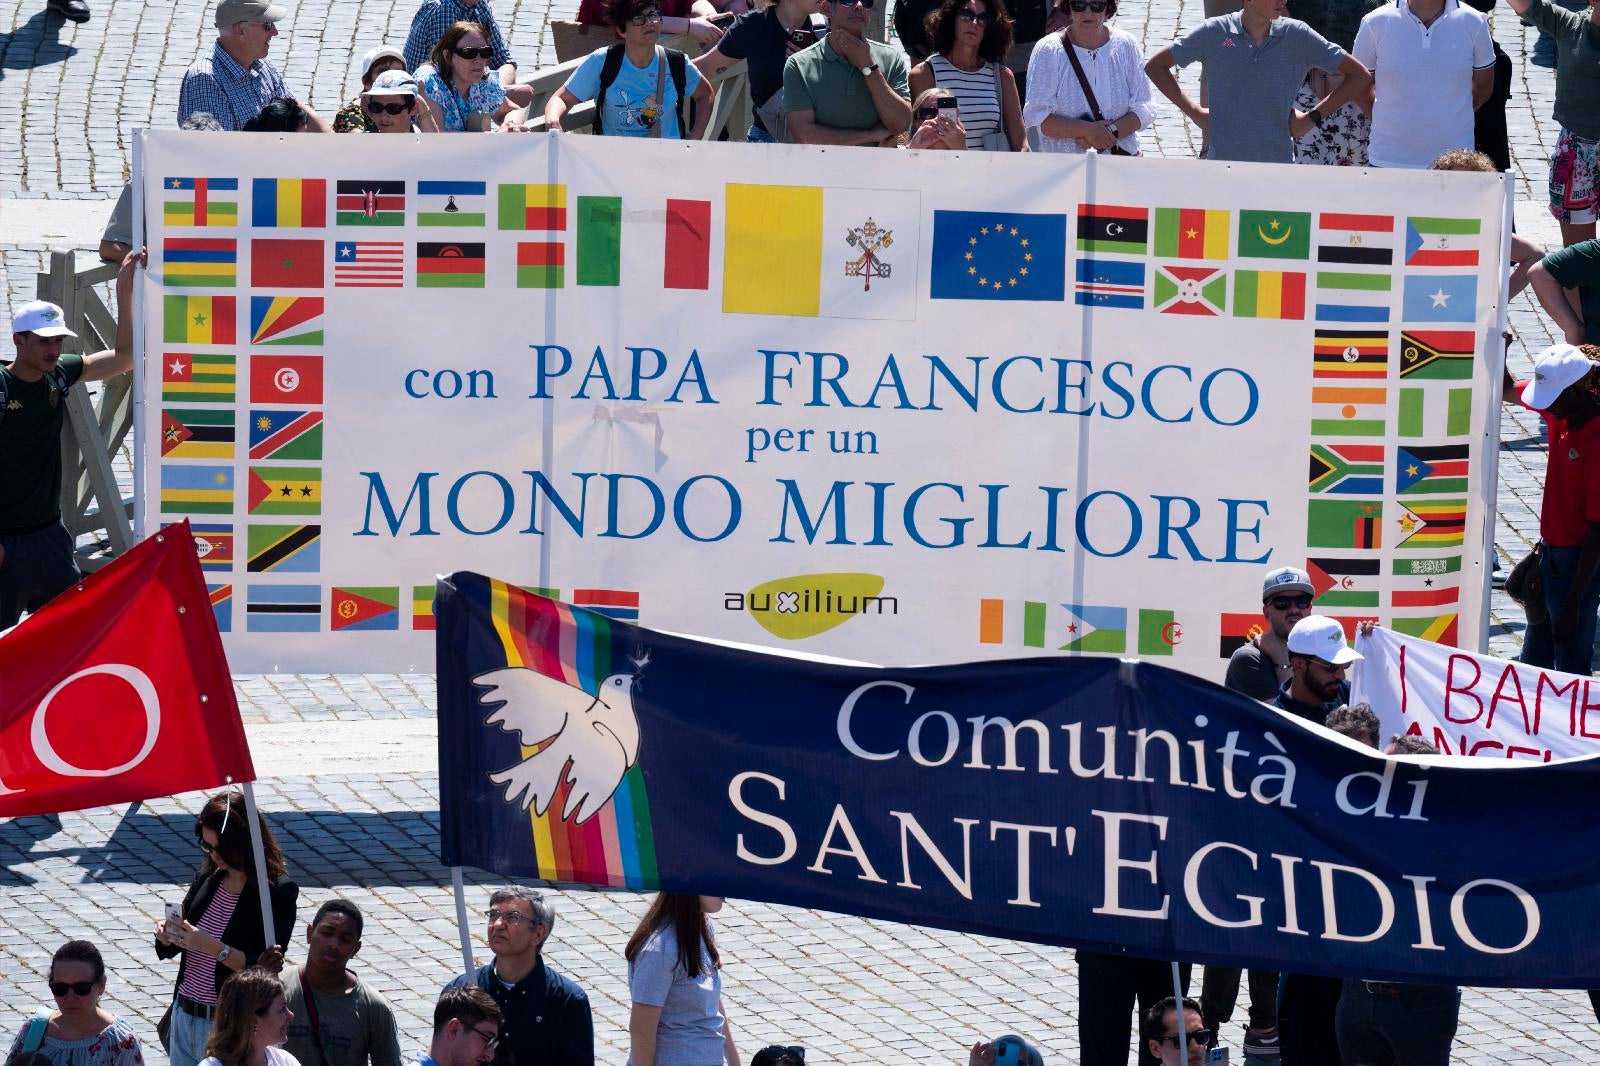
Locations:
{"points": [[1432, 64]]}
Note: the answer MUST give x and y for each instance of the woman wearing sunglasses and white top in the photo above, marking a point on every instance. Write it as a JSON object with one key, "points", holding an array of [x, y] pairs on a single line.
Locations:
{"points": [[79, 1032], [1114, 69]]}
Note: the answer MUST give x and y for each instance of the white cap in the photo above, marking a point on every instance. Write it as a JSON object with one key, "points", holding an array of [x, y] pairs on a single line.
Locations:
{"points": [[393, 83], [383, 51], [1557, 368], [1322, 638], [41, 319]]}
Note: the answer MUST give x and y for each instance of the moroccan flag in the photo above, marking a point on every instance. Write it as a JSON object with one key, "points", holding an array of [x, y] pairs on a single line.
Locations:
{"points": [[1434, 412], [449, 266], [289, 203], [1274, 234], [1109, 228], [1347, 469], [1439, 469], [201, 202], [687, 258], [1348, 410], [1437, 354], [533, 207], [285, 264], [296, 320], [1442, 242], [198, 319], [1159, 632], [285, 490], [197, 433], [422, 608], [285, 434], [1350, 353], [140, 701], [293, 379], [1190, 290], [600, 240], [365, 608], [197, 377], [1191, 233], [1269, 294], [1433, 523], [284, 549], [1344, 524], [1237, 630], [452, 203], [1355, 240], [772, 250], [370, 203], [200, 262], [1344, 582]]}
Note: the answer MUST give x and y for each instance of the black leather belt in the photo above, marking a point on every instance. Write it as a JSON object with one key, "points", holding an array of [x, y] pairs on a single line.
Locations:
{"points": [[194, 1007], [1382, 989]]}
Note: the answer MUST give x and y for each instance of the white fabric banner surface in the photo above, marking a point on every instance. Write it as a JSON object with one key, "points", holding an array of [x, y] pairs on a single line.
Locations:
{"points": [[1469, 704], [897, 407]]}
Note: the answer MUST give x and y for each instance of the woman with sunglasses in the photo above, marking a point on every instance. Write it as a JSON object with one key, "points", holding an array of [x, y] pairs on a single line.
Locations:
{"points": [[935, 127], [675, 983], [219, 931], [970, 40], [252, 1020], [461, 92], [79, 1032], [1109, 69], [393, 105]]}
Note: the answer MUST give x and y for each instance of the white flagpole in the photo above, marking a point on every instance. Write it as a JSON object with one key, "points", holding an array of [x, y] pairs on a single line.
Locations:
{"points": [[461, 920], [261, 864], [1183, 1017]]}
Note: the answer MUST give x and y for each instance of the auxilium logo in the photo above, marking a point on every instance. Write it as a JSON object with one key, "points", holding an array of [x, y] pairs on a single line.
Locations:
{"points": [[794, 608]]}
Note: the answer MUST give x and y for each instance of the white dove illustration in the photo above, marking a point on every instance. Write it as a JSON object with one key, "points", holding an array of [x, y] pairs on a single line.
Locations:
{"points": [[596, 736]]}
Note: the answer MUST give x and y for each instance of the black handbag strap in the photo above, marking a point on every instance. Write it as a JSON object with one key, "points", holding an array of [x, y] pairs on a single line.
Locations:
{"points": [[309, 995], [1083, 79]]}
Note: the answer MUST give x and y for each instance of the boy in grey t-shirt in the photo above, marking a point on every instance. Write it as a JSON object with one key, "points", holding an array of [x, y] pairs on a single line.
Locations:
{"points": [[338, 1019], [1254, 62]]}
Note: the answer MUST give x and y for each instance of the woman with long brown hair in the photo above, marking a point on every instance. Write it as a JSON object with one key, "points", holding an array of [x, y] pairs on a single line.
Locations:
{"points": [[218, 930], [675, 983], [460, 89], [252, 1020]]}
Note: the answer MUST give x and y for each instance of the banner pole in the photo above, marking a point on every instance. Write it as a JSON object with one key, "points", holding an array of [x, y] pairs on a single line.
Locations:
{"points": [[139, 238], [1491, 425], [260, 854], [1183, 1019], [460, 887]]}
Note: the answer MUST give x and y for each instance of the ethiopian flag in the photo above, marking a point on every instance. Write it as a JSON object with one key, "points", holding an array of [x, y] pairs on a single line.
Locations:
{"points": [[198, 319]]}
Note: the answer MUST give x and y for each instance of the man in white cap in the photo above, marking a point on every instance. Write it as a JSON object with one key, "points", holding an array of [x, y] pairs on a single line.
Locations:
{"points": [[1562, 390], [1260, 667], [36, 551], [1318, 658], [236, 81]]}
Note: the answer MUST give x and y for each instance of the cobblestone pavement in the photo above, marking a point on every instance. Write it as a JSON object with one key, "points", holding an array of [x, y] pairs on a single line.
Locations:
{"points": [[851, 990]]}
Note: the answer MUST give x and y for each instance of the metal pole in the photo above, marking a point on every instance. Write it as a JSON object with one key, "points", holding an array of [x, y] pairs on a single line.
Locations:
{"points": [[261, 864], [1491, 428], [1183, 1018], [139, 238], [461, 920]]}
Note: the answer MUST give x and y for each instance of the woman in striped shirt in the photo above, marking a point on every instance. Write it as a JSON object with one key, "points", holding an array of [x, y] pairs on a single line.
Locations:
{"points": [[970, 42], [219, 929]]}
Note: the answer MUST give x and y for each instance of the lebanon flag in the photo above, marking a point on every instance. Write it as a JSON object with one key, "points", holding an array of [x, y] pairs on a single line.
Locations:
{"points": [[118, 690]]}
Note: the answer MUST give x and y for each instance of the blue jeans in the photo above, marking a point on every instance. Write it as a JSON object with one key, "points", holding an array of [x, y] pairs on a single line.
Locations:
{"points": [[1557, 568], [756, 135], [188, 1036], [1398, 1025]]}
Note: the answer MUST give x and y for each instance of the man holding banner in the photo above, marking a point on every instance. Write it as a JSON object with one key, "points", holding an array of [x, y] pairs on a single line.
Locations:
{"points": [[1319, 656]]}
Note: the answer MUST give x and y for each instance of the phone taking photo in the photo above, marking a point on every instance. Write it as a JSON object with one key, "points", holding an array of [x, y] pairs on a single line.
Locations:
{"points": [[949, 105]]}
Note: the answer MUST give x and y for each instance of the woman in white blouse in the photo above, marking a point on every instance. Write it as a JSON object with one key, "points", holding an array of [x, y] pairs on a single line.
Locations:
{"points": [[1057, 104]]}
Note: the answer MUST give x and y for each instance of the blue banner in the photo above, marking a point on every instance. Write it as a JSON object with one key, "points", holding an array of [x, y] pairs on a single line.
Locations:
{"points": [[1090, 802]]}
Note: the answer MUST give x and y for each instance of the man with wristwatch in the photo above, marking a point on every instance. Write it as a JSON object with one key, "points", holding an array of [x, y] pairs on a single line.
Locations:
{"points": [[1255, 61], [846, 89]]}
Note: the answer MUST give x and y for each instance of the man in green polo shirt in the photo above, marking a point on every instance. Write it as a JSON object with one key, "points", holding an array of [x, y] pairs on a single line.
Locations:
{"points": [[846, 89], [36, 551]]}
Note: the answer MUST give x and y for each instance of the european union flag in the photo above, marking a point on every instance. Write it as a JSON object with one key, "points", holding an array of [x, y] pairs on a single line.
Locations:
{"points": [[1441, 298], [995, 255]]}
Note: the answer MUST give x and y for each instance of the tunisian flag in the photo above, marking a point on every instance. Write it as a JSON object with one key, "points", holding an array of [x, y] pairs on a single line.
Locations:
{"points": [[118, 690]]}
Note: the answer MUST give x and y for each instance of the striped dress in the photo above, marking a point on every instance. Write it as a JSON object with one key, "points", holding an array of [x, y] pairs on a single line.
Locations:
{"points": [[977, 97], [199, 973]]}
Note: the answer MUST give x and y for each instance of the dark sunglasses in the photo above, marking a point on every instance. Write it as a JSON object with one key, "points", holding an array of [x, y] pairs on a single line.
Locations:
{"points": [[866, 4], [1203, 1037], [1284, 603], [475, 53], [1326, 665], [927, 114], [977, 18], [376, 106], [1080, 6], [77, 988], [206, 846]]}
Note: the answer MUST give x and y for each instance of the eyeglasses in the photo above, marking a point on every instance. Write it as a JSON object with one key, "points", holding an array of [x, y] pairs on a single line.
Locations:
{"points": [[1203, 1037], [645, 18], [1080, 6], [927, 114], [376, 106], [489, 1042], [1284, 603], [77, 988], [207, 847], [1332, 668], [509, 917], [977, 18], [475, 53], [865, 4]]}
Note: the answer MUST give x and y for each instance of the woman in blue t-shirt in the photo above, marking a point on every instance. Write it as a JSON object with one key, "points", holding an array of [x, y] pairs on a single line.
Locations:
{"points": [[462, 92], [639, 85], [675, 983]]}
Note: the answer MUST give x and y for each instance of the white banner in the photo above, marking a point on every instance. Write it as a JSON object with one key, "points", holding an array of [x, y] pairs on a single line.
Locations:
{"points": [[1469, 704], [889, 406]]}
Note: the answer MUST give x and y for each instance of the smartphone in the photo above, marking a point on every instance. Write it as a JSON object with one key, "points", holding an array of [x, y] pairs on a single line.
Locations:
{"points": [[174, 913], [1217, 1056], [948, 103]]}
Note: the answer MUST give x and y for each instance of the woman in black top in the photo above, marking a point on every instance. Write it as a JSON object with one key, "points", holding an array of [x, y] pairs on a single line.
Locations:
{"points": [[765, 39], [220, 930]]}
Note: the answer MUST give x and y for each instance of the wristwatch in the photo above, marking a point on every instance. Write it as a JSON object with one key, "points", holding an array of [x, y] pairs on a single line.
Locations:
{"points": [[223, 953], [1316, 116], [866, 71]]}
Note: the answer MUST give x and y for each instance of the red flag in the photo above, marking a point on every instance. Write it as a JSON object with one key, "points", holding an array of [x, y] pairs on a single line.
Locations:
{"points": [[118, 690], [286, 264]]}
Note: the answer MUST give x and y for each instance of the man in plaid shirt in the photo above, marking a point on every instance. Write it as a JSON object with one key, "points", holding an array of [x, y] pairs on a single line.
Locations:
{"points": [[236, 81], [436, 16]]}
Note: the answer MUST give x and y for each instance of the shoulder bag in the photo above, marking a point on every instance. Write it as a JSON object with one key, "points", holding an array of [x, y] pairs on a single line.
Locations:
{"points": [[1088, 92]]}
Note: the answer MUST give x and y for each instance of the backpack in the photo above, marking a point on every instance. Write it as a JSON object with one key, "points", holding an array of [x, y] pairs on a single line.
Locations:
{"points": [[56, 377], [676, 61]]}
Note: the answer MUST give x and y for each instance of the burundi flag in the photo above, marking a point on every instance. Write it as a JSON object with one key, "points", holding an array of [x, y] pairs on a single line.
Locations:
{"points": [[1159, 632], [194, 377], [1110, 228], [197, 433], [1442, 242], [285, 434], [1344, 524], [283, 609], [199, 262], [1190, 290], [285, 490], [1432, 524], [422, 608], [284, 549], [200, 202], [1347, 469], [286, 320], [1435, 412], [1347, 239], [365, 608], [1103, 629], [1274, 234], [1437, 354], [289, 203], [1269, 294], [1344, 582], [370, 203], [1191, 233], [198, 319], [1428, 471], [1348, 410], [187, 489], [462, 204], [999, 255], [221, 597]]}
